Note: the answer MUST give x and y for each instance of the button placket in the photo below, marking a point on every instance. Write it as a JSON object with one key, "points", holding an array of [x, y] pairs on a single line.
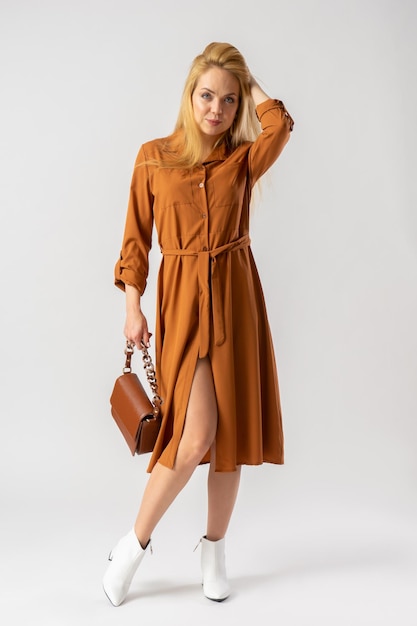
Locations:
{"points": [[204, 213], [203, 267]]}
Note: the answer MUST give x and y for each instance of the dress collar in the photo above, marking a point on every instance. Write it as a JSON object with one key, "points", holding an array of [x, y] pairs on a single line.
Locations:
{"points": [[220, 153]]}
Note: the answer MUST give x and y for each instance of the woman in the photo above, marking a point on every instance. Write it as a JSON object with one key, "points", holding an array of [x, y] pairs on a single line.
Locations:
{"points": [[214, 355]]}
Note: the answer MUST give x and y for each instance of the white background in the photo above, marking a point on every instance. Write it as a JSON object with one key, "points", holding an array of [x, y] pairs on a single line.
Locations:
{"points": [[330, 537]]}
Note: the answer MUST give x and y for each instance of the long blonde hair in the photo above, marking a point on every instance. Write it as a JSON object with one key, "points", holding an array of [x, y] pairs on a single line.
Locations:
{"points": [[186, 150]]}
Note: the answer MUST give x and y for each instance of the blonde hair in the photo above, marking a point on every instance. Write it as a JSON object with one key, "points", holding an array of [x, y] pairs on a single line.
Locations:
{"points": [[187, 149]]}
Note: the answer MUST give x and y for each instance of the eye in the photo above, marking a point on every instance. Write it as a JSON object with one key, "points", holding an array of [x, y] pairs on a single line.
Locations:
{"points": [[205, 95], [229, 100]]}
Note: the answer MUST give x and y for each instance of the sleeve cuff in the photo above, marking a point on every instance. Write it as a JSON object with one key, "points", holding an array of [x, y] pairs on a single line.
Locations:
{"points": [[273, 103], [125, 276]]}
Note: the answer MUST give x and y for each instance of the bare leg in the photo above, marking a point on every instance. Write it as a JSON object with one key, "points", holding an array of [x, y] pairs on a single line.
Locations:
{"points": [[199, 432], [222, 492]]}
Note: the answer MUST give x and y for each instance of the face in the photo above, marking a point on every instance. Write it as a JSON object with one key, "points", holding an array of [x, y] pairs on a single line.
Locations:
{"points": [[215, 102]]}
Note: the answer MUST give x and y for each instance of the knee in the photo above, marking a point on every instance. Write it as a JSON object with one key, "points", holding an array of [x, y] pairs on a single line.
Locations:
{"points": [[193, 451]]}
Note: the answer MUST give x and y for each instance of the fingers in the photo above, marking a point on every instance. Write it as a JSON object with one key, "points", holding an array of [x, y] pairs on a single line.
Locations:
{"points": [[146, 339], [136, 331], [140, 340]]}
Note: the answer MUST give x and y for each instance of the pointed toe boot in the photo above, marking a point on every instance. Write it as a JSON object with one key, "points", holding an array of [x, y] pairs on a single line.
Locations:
{"points": [[213, 566], [124, 560]]}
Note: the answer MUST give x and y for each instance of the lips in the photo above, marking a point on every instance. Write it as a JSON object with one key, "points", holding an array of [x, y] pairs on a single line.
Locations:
{"points": [[213, 122]]}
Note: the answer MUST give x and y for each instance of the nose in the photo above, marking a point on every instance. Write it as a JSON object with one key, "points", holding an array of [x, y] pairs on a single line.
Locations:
{"points": [[216, 106]]}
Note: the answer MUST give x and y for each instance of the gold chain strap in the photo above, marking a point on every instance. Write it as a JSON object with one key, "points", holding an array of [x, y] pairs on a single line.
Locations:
{"points": [[150, 372]]}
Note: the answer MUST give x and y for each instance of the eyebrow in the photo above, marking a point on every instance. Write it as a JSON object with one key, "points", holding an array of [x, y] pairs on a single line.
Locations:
{"points": [[211, 91]]}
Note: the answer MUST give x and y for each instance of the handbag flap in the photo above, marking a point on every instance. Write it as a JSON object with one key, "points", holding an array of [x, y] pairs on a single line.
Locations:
{"points": [[129, 406]]}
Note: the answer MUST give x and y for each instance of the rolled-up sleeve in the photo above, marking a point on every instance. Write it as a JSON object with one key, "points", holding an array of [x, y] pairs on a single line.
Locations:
{"points": [[133, 264], [276, 124]]}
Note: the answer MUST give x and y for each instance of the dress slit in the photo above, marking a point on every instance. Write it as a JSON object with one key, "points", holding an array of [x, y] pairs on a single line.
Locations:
{"points": [[174, 412]]}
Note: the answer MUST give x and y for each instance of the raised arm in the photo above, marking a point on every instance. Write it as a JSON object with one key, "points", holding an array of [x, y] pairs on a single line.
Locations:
{"points": [[276, 124], [258, 94]]}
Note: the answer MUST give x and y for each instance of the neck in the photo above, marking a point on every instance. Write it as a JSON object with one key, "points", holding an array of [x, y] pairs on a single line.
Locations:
{"points": [[209, 143]]}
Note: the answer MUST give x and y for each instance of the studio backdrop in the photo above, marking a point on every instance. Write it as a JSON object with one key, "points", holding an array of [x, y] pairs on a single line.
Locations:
{"points": [[334, 234]]}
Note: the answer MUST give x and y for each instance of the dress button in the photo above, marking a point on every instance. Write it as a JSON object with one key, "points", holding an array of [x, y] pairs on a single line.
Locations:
{"points": [[205, 249], [201, 185], [203, 215]]}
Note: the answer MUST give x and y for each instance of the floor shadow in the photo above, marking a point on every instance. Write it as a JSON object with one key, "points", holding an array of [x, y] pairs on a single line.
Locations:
{"points": [[161, 587], [332, 561]]}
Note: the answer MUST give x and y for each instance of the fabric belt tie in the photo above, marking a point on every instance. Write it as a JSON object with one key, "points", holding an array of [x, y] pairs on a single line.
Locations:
{"points": [[209, 283]]}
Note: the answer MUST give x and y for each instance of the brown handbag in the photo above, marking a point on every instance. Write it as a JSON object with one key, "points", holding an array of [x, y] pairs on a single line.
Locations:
{"points": [[137, 417]]}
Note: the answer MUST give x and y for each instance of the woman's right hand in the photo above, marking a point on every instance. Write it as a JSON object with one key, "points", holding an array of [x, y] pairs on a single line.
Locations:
{"points": [[136, 327]]}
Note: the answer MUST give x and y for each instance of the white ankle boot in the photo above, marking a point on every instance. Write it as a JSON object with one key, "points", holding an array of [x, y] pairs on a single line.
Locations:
{"points": [[124, 560], [213, 567]]}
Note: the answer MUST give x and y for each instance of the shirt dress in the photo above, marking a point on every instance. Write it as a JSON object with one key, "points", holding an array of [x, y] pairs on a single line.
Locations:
{"points": [[209, 296]]}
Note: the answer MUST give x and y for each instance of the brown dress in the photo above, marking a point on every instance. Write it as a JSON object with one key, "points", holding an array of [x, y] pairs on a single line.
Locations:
{"points": [[209, 296]]}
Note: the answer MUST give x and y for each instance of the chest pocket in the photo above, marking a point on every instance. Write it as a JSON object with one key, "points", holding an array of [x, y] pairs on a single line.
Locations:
{"points": [[173, 188], [225, 185]]}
